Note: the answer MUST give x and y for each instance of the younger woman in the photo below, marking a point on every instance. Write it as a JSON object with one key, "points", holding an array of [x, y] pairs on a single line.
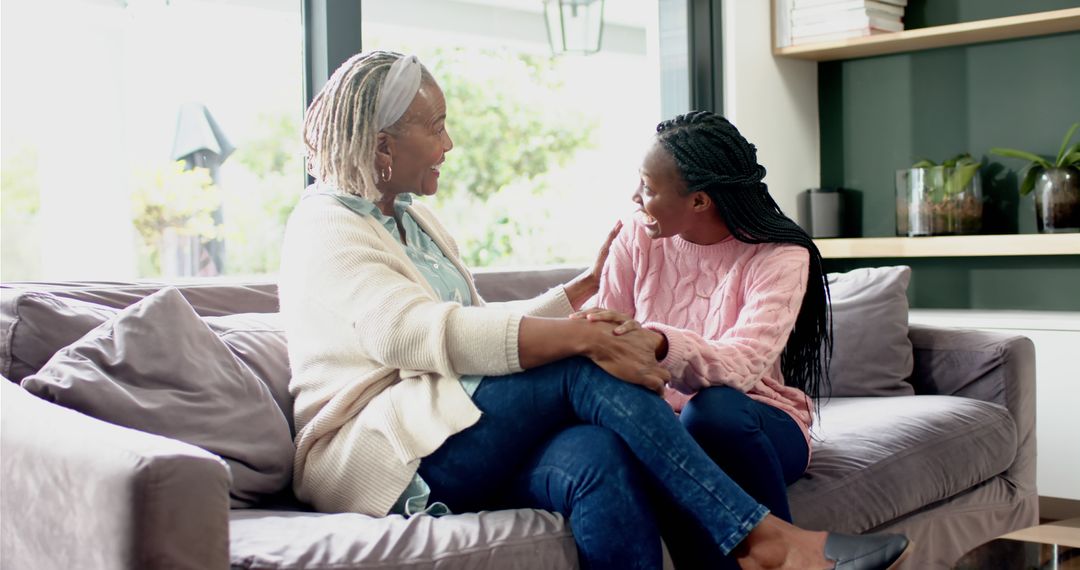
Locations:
{"points": [[735, 293]]}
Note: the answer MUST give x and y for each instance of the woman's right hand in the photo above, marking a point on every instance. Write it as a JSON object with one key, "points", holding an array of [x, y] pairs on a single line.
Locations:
{"points": [[630, 356]]}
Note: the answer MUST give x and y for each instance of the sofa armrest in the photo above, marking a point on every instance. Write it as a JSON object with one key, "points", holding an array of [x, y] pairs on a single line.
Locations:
{"points": [[990, 366], [78, 492]]}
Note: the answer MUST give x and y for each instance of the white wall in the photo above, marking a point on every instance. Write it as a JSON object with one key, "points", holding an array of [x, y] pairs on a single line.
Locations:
{"points": [[773, 102]]}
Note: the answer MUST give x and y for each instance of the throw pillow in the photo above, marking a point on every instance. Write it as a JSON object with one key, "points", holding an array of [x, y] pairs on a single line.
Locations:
{"points": [[157, 367], [37, 324], [258, 341], [872, 353]]}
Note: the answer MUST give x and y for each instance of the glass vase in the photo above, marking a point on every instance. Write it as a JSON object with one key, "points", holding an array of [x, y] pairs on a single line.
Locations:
{"points": [[938, 200], [1057, 201]]}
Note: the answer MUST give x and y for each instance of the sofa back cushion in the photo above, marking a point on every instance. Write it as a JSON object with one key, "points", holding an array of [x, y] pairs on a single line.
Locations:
{"points": [[496, 285], [38, 323], [258, 341], [37, 319], [158, 367], [872, 353]]}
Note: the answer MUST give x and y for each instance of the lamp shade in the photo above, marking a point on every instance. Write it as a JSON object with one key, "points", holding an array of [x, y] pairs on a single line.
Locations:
{"points": [[574, 26]]}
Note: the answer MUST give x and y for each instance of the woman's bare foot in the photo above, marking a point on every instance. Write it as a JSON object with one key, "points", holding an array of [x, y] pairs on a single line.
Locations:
{"points": [[775, 545]]}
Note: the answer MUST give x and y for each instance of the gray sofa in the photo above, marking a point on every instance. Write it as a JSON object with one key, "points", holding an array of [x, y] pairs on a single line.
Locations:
{"points": [[952, 466]]}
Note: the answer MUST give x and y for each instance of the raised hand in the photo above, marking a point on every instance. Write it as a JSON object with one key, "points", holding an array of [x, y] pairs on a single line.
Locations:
{"points": [[602, 255], [585, 285]]}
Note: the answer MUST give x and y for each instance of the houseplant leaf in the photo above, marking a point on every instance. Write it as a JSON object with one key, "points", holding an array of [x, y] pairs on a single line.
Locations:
{"points": [[1072, 159], [1065, 143], [1023, 155], [962, 175], [1072, 152], [1028, 184], [924, 163], [936, 182]]}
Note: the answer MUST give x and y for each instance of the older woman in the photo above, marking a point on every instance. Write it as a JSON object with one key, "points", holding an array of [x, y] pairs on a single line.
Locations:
{"points": [[413, 395]]}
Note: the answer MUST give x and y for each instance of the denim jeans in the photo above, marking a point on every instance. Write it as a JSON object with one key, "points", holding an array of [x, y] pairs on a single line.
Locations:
{"points": [[759, 446], [526, 451]]}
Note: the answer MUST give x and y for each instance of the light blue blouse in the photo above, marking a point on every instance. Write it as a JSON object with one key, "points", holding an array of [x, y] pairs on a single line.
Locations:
{"points": [[447, 282]]}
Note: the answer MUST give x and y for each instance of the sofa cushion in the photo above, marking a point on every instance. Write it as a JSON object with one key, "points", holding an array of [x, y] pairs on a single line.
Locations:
{"points": [[42, 323], [37, 319], [523, 539], [877, 459], [209, 297], [258, 341], [871, 351], [157, 367], [497, 285], [37, 324]]}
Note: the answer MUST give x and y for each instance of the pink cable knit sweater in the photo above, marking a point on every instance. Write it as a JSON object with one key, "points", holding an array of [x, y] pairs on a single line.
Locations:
{"points": [[727, 310]]}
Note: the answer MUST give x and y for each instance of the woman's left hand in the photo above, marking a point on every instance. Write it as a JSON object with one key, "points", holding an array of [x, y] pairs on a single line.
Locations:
{"points": [[601, 257], [625, 322], [587, 283]]}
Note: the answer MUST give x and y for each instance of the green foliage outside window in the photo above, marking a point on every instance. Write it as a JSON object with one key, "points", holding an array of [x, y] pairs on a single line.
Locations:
{"points": [[510, 129], [257, 208], [172, 200], [19, 203]]}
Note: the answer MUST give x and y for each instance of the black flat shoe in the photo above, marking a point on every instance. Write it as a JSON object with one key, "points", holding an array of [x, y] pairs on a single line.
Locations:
{"points": [[866, 552]]}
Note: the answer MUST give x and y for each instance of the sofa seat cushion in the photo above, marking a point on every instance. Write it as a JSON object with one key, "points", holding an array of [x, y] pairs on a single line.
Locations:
{"points": [[877, 459], [523, 538]]}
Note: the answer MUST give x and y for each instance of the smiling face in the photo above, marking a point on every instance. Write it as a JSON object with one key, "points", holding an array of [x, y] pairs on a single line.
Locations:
{"points": [[663, 207], [417, 145]]}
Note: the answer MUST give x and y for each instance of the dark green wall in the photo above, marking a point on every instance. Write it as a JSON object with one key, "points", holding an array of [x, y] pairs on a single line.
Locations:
{"points": [[884, 113], [1036, 283]]}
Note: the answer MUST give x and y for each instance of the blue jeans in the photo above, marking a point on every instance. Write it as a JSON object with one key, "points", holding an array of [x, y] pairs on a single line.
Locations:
{"points": [[527, 451], [759, 446]]}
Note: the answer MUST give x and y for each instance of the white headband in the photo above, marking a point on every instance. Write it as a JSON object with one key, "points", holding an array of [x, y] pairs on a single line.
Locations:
{"points": [[399, 87]]}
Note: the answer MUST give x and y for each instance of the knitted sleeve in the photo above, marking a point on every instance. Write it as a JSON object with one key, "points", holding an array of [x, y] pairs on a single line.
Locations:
{"points": [[773, 295], [617, 279], [396, 321]]}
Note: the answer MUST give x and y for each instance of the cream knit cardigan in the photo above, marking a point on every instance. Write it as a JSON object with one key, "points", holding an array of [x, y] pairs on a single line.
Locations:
{"points": [[376, 356]]}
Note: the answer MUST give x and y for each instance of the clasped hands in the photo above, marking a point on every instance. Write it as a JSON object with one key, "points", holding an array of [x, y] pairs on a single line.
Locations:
{"points": [[628, 351]]}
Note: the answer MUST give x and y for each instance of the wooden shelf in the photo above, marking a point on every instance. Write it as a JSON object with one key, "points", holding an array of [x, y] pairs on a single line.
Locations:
{"points": [[1012, 27], [951, 246]]}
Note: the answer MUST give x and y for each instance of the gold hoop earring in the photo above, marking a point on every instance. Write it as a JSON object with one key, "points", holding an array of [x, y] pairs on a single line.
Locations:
{"points": [[386, 174]]}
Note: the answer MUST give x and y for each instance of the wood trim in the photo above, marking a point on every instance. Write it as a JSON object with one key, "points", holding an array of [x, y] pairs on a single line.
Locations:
{"points": [[995, 29], [1056, 509], [951, 246], [1061, 533]]}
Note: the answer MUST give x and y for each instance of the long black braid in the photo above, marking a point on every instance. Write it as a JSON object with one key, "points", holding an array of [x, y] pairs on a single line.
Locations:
{"points": [[715, 158]]}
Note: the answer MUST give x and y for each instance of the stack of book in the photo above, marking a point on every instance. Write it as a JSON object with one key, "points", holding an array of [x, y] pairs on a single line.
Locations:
{"points": [[812, 21]]}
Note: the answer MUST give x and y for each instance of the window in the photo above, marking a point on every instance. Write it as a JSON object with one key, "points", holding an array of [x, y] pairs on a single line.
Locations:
{"points": [[161, 138], [546, 148], [100, 98]]}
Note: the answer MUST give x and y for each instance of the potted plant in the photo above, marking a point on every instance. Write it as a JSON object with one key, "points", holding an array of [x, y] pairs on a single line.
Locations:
{"points": [[1056, 184], [939, 199]]}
